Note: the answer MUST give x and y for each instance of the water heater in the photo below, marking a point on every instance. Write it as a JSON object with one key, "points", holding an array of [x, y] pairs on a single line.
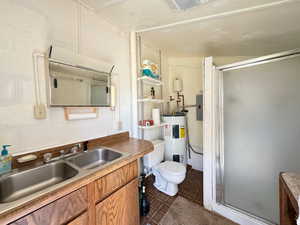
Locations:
{"points": [[175, 138], [177, 85]]}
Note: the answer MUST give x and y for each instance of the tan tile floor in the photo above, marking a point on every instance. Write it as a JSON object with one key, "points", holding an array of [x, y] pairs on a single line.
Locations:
{"points": [[191, 189]]}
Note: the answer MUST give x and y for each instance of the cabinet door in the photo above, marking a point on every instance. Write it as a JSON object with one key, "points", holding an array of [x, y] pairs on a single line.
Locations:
{"points": [[80, 220], [113, 181], [121, 208], [58, 212]]}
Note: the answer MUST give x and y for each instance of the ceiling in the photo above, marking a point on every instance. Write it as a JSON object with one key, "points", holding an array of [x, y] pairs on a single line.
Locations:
{"points": [[220, 27]]}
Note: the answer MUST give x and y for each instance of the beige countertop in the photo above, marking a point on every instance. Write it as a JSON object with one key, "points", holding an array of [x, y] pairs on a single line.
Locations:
{"points": [[292, 180], [133, 149]]}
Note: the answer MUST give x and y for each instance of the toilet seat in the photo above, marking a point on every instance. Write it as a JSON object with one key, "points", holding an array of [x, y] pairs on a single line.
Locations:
{"points": [[170, 168], [168, 175]]}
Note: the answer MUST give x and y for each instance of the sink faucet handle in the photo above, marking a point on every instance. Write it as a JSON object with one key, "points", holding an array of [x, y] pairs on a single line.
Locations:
{"points": [[62, 153], [75, 148], [47, 157]]}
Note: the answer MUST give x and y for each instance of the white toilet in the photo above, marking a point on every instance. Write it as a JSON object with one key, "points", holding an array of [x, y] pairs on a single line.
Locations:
{"points": [[167, 174]]}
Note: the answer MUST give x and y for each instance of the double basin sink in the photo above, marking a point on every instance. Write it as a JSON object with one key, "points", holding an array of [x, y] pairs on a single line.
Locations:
{"points": [[14, 186]]}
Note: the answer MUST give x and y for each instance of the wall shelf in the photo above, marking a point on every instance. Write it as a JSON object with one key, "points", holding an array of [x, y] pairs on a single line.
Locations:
{"points": [[152, 127], [150, 80], [145, 102], [151, 100]]}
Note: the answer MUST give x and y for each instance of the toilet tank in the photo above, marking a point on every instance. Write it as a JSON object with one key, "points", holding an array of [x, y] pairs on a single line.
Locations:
{"points": [[156, 156]]}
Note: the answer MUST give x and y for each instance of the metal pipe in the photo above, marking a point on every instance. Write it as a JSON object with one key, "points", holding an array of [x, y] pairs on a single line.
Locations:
{"points": [[261, 60], [179, 97]]}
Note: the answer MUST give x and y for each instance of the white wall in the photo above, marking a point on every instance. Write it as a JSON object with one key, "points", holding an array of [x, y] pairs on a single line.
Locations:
{"points": [[189, 70], [31, 25]]}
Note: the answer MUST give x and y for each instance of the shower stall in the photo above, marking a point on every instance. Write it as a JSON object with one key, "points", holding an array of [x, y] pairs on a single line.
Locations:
{"points": [[254, 111]]}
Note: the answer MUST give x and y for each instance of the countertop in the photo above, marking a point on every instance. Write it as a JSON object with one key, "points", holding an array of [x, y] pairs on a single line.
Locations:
{"points": [[133, 149], [292, 181]]}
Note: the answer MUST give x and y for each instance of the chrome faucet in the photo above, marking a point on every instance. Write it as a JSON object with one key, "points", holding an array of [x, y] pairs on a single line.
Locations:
{"points": [[62, 154], [48, 156]]}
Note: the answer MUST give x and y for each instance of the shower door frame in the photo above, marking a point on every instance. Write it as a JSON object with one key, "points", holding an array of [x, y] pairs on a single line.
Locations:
{"points": [[214, 137]]}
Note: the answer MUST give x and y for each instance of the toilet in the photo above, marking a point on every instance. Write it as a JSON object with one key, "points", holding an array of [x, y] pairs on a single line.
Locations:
{"points": [[167, 174]]}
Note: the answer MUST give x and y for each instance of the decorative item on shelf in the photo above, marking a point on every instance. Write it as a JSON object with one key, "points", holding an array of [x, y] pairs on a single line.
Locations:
{"points": [[146, 123], [152, 93], [79, 113], [150, 69]]}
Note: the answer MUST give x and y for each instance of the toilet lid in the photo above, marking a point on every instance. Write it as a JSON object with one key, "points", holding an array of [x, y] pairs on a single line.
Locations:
{"points": [[172, 167]]}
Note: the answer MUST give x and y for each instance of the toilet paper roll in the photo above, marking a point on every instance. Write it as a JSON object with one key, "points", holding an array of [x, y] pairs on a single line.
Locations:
{"points": [[156, 116]]}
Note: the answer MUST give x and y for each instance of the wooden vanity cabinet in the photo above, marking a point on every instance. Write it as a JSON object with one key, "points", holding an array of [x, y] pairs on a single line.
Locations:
{"points": [[116, 197], [109, 200], [121, 208]]}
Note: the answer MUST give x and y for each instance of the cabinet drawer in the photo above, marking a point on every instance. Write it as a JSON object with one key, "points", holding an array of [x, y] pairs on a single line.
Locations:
{"points": [[58, 212], [80, 220], [115, 180]]}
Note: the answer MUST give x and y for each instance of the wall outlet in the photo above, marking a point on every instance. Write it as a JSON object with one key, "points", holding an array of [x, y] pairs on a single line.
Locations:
{"points": [[40, 111]]}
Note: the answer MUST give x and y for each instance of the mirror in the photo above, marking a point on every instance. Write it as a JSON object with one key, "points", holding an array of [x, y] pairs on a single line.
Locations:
{"points": [[77, 86]]}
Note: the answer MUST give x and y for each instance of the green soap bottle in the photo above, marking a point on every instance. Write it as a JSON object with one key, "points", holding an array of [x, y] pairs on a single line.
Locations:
{"points": [[5, 160]]}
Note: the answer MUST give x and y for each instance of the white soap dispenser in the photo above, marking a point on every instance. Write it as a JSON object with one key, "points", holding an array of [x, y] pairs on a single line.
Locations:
{"points": [[5, 160]]}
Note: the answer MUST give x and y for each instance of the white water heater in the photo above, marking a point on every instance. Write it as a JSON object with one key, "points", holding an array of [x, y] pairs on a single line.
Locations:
{"points": [[175, 138]]}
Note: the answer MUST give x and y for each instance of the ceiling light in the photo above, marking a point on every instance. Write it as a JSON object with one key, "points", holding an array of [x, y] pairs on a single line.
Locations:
{"points": [[185, 4]]}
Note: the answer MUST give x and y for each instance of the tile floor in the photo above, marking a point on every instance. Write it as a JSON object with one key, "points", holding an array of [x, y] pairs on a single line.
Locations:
{"points": [[191, 189]]}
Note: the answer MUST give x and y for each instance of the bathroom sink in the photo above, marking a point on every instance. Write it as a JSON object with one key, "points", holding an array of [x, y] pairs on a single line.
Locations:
{"points": [[93, 159], [17, 185]]}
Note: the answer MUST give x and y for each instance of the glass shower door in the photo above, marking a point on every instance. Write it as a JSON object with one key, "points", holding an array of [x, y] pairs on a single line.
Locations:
{"points": [[261, 129]]}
